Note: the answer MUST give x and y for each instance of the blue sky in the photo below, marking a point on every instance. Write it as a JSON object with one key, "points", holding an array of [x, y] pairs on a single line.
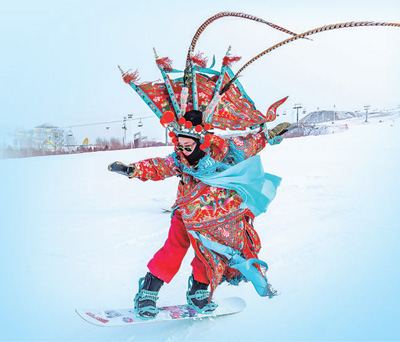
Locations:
{"points": [[59, 58]]}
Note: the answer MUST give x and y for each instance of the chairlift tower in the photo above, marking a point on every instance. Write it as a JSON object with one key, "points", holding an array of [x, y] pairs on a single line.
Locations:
{"points": [[124, 129], [297, 106], [130, 118], [334, 114], [366, 107]]}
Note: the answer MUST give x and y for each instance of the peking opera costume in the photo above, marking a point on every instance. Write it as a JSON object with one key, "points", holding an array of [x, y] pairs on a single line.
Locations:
{"points": [[220, 195]]}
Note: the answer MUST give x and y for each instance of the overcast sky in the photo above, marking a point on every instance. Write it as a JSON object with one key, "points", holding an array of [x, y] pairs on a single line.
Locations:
{"points": [[59, 58]]}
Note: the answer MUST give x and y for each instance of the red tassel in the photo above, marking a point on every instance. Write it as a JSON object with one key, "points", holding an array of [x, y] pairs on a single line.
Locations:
{"points": [[131, 77], [163, 123], [207, 126], [228, 61], [198, 128], [164, 63], [199, 60], [204, 146], [168, 116]]}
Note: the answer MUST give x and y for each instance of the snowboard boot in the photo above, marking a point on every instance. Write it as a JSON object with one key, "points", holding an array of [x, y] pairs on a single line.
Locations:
{"points": [[146, 298], [198, 298]]}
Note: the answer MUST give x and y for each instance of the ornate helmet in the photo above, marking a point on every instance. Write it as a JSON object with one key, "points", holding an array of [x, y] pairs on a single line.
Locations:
{"points": [[218, 95], [200, 89]]}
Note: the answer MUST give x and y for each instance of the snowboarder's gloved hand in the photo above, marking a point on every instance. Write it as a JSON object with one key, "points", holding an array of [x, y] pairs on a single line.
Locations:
{"points": [[122, 169], [278, 130]]}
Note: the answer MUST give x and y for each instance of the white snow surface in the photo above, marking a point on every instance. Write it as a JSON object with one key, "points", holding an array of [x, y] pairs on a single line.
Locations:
{"points": [[74, 234]]}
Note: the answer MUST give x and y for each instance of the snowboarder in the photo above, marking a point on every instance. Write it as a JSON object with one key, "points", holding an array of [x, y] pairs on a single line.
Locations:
{"points": [[215, 212], [222, 187]]}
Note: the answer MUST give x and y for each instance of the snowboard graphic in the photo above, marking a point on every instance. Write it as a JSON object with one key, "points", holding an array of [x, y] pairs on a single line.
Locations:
{"points": [[121, 317]]}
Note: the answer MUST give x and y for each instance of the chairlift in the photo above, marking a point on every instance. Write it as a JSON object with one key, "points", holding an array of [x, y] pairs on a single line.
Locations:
{"points": [[140, 123]]}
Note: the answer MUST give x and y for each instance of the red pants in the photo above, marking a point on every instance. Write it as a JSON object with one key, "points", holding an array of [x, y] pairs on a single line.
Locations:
{"points": [[167, 261]]}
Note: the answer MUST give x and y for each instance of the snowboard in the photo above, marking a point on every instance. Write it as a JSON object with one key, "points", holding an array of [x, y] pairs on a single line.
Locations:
{"points": [[122, 317]]}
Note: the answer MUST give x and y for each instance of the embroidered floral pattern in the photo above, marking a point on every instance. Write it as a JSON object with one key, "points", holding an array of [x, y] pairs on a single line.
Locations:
{"points": [[213, 212]]}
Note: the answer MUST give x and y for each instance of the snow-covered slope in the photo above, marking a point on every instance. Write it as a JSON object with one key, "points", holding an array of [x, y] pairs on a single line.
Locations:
{"points": [[76, 235]]}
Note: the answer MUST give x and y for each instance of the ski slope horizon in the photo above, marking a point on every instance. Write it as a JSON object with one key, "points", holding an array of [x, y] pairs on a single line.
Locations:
{"points": [[77, 235]]}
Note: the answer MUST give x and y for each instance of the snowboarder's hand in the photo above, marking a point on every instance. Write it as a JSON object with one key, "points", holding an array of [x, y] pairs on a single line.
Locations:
{"points": [[122, 169], [278, 130]]}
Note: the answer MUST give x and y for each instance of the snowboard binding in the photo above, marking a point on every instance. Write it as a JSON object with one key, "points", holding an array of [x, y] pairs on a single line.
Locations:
{"points": [[146, 299], [198, 298]]}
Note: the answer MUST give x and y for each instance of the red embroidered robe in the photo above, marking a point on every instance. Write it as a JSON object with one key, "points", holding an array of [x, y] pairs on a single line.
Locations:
{"points": [[211, 211]]}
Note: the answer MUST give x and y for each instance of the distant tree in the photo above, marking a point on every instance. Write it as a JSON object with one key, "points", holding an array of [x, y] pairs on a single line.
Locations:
{"points": [[115, 144], [100, 142]]}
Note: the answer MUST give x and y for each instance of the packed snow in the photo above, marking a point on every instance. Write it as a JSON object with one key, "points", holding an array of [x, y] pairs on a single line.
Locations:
{"points": [[76, 235]]}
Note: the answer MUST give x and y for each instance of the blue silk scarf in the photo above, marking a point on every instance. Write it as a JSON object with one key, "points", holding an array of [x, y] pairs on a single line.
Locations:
{"points": [[249, 180]]}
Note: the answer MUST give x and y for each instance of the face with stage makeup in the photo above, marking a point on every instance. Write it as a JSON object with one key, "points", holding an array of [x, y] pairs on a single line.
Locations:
{"points": [[186, 145], [190, 148]]}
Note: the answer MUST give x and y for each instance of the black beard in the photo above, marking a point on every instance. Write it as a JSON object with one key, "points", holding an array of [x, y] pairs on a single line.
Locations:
{"points": [[196, 155]]}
